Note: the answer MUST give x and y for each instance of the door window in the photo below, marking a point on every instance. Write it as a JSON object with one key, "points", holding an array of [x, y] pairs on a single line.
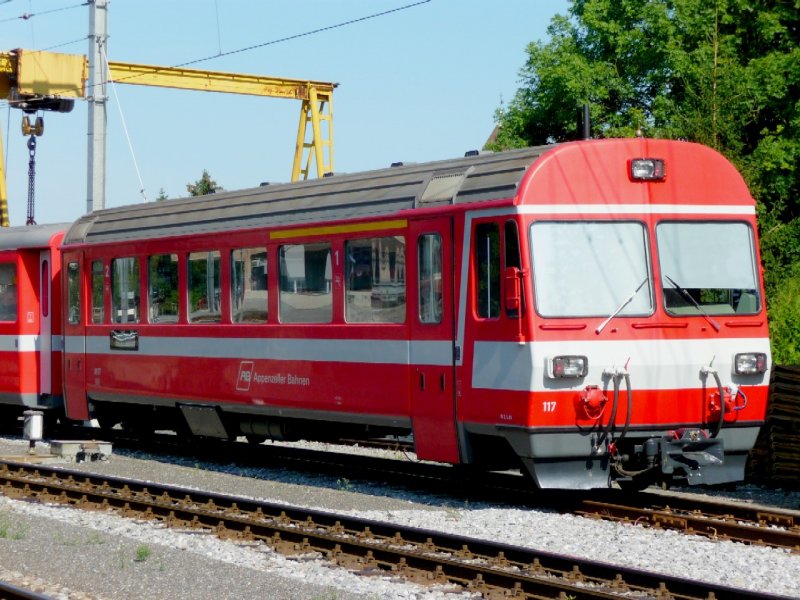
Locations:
{"points": [[487, 270], [97, 291], [73, 293], [429, 269]]}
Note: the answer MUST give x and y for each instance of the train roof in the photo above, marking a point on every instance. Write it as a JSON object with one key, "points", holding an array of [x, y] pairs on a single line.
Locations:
{"points": [[377, 193], [573, 175], [30, 236]]}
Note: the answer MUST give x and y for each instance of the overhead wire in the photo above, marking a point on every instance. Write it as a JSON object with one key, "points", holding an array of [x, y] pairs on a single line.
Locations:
{"points": [[107, 71], [220, 54], [219, 34], [263, 44], [83, 39], [304, 34], [31, 15]]}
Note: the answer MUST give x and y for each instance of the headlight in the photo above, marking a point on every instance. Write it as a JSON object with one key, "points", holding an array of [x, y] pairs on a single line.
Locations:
{"points": [[567, 366], [750, 363]]}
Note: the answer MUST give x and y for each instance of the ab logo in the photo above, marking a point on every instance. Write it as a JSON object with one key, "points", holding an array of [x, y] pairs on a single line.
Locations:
{"points": [[245, 375]]}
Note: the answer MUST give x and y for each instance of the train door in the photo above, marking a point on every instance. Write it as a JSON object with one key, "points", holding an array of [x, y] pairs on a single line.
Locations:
{"points": [[74, 338], [45, 324], [432, 339]]}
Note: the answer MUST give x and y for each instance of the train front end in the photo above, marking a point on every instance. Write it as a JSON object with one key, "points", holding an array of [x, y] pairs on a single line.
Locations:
{"points": [[648, 344]]}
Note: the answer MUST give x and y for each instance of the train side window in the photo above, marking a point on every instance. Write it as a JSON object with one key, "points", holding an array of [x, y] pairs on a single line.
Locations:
{"points": [[429, 258], [513, 258], [73, 293], [8, 292], [487, 270], [375, 280], [249, 285], [305, 283], [204, 291], [97, 291], [162, 290], [125, 290]]}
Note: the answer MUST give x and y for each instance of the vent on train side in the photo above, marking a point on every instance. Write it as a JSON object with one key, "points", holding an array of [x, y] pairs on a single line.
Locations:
{"points": [[443, 187]]}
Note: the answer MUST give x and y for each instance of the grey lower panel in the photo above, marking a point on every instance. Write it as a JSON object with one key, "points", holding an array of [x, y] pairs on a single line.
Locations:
{"points": [[31, 401], [567, 459], [578, 473], [397, 422]]}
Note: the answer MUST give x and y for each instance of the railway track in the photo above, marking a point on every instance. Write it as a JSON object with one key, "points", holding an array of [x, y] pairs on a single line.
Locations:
{"points": [[489, 569], [717, 520], [687, 513]]}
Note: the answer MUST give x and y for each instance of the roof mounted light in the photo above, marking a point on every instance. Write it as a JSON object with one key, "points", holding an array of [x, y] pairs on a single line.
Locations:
{"points": [[647, 169]]}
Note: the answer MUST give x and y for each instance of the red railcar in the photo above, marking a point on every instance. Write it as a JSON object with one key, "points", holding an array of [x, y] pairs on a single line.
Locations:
{"points": [[591, 311], [30, 319]]}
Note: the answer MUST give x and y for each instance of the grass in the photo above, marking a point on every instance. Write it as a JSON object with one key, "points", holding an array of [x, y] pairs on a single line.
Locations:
{"points": [[143, 552], [12, 531]]}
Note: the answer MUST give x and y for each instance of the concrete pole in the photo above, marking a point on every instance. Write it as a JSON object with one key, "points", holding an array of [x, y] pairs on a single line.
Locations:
{"points": [[96, 96]]}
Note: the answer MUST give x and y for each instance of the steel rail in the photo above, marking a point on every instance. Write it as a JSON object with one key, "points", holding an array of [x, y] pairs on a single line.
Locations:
{"points": [[685, 512], [14, 592]]}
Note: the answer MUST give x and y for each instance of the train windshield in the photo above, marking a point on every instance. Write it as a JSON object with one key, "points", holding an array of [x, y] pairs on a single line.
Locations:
{"points": [[708, 267], [591, 269]]}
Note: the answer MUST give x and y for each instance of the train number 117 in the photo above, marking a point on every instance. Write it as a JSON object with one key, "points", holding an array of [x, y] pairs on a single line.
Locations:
{"points": [[549, 406]]}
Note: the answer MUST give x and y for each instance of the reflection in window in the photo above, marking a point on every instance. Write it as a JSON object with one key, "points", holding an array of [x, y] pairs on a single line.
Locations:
{"points": [[712, 265], [487, 270], [249, 285], [583, 269], [203, 284], [375, 280], [125, 290], [305, 283], [8, 292], [73, 293], [162, 278], [429, 257], [97, 291]]}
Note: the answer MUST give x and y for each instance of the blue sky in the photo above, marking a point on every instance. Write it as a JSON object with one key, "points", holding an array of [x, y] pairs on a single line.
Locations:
{"points": [[418, 84]]}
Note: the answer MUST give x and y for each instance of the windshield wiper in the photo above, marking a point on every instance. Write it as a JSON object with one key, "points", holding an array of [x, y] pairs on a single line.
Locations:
{"points": [[685, 293], [621, 306]]}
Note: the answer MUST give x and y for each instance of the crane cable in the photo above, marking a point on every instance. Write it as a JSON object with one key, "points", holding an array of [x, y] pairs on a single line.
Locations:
{"points": [[31, 178]]}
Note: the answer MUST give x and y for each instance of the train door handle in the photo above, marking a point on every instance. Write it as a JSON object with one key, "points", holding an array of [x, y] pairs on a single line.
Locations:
{"points": [[442, 382], [422, 381]]}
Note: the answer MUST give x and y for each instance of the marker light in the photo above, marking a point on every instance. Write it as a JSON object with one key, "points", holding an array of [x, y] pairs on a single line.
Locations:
{"points": [[647, 169], [750, 363], [567, 366]]}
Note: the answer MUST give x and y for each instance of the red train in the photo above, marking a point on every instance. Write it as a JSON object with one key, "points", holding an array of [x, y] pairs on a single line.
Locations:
{"points": [[31, 337], [591, 311]]}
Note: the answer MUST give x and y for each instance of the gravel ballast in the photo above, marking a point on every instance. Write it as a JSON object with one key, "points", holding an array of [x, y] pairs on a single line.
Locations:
{"points": [[76, 554]]}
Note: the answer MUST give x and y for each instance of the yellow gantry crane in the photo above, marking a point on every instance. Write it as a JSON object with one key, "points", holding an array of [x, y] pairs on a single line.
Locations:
{"points": [[37, 80]]}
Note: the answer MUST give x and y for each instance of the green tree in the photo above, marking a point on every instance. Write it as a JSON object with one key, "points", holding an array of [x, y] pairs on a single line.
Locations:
{"points": [[204, 185], [725, 73]]}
